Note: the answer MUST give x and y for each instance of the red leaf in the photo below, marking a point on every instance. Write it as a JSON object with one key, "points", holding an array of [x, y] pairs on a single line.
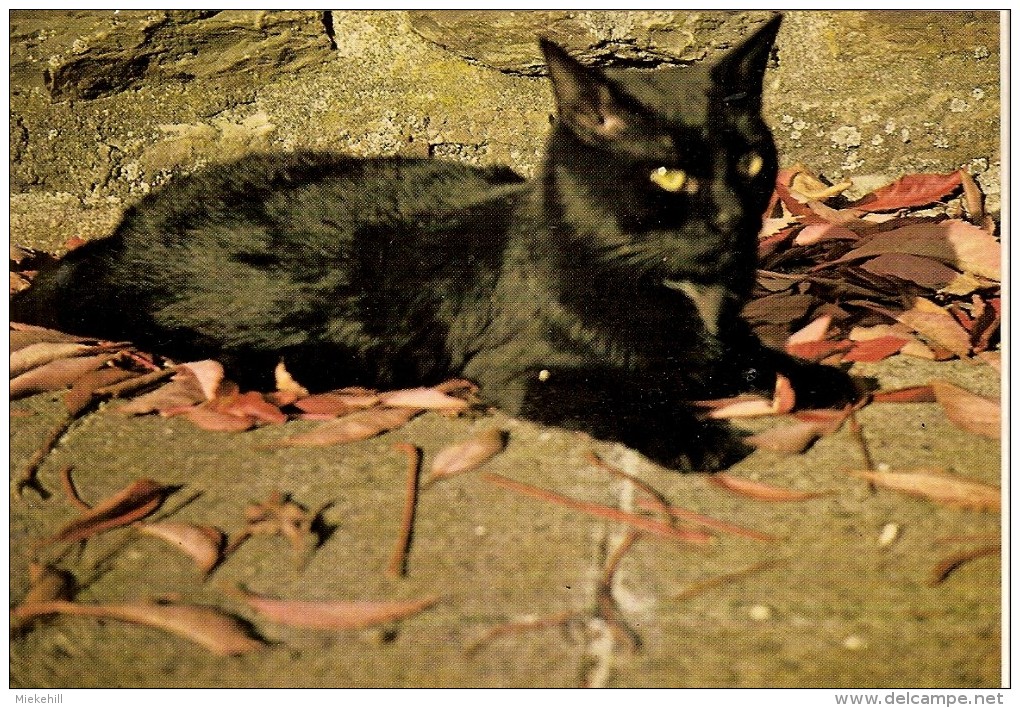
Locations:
{"points": [[817, 351], [814, 332], [356, 426], [910, 191], [640, 523], [875, 349], [207, 626], [935, 324], [910, 394], [134, 502], [56, 375], [938, 486], [332, 615], [973, 413], [468, 455], [757, 490]]}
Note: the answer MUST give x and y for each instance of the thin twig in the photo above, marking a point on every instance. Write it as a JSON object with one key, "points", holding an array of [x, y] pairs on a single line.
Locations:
{"points": [[701, 586], [858, 436], [398, 562], [29, 475], [658, 499], [941, 571], [71, 491], [512, 627]]}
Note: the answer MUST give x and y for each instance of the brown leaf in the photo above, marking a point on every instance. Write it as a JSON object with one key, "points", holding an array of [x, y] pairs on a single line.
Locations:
{"points": [[936, 325], [954, 242], [926, 272], [213, 420], [209, 627], [24, 334], [134, 502], [356, 426], [910, 191], [183, 391], [203, 543], [947, 565], [335, 403], [468, 455], [251, 404], [640, 523], [757, 490], [817, 351], [973, 413], [909, 394], [875, 349], [422, 398], [790, 439], [56, 375], [35, 355], [938, 486], [82, 391], [332, 615]]}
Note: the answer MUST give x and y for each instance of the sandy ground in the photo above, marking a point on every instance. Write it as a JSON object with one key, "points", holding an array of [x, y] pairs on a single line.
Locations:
{"points": [[831, 607]]}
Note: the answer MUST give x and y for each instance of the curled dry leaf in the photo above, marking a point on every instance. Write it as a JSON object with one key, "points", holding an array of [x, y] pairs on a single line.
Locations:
{"points": [[209, 627], [973, 413], [203, 543], [935, 324], [331, 615], [782, 403], [56, 375], [469, 454], [973, 199], [22, 335], [48, 583], [279, 515], [910, 191], [285, 383], [83, 390], [183, 391], [762, 492], [947, 565], [136, 501], [789, 439], [250, 405], [641, 523], [40, 353], [938, 486], [422, 398], [211, 419], [356, 426]]}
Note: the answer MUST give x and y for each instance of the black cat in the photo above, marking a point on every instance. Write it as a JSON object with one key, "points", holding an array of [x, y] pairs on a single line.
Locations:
{"points": [[600, 296]]}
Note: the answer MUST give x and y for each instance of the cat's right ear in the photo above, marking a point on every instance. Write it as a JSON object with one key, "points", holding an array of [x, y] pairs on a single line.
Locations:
{"points": [[585, 101]]}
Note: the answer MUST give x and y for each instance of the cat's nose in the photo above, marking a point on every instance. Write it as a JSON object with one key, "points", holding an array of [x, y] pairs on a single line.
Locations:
{"points": [[725, 220]]}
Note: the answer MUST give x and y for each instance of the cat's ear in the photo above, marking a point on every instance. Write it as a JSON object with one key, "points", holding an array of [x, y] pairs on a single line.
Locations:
{"points": [[740, 73], [585, 101]]}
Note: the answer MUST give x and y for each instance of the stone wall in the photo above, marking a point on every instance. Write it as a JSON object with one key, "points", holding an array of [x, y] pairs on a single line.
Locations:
{"points": [[107, 105]]}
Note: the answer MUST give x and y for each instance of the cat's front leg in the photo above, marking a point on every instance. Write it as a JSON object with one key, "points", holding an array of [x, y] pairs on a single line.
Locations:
{"points": [[637, 411]]}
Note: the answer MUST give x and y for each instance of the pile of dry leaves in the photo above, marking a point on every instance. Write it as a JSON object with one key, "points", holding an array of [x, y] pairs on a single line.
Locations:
{"points": [[913, 268]]}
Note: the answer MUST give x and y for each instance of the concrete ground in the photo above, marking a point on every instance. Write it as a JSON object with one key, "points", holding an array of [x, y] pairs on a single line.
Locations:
{"points": [[834, 608]]}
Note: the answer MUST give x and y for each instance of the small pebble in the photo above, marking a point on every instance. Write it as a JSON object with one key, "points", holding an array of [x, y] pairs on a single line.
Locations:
{"points": [[760, 613], [480, 530], [854, 643], [890, 532]]}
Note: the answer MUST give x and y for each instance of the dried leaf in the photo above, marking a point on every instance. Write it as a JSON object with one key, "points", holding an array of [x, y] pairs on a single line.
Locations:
{"points": [[814, 332], [935, 324], [910, 191], [209, 627], [209, 375], [762, 492], [23, 335], [954, 242], [910, 394], [249, 405], [811, 188], [285, 383], [876, 349], [973, 413], [356, 426], [926, 272], [782, 403], [640, 523], [398, 561], [203, 543], [183, 391], [973, 199], [993, 359], [422, 398], [938, 486], [947, 565], [136, 501], [790, 439], [56, 375], [332, 615], [82, 391], [336, 403], [823, 231], [468, 455], [35, 355], [818, 351], [210, 419]]}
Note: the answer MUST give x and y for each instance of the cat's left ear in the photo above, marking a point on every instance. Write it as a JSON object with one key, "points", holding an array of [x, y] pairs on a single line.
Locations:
{"points": [[740, 73], [585, 101]]}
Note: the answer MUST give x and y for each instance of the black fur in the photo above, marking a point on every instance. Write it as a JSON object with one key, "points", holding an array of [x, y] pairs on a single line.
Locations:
{"points": [[591, 297]]}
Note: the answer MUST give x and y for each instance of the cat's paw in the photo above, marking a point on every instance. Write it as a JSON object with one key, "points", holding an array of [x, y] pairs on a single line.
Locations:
{"points": [[713, 448]]}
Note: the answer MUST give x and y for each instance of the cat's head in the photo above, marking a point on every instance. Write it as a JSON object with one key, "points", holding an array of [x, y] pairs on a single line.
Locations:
{"points": [[679, 159]]}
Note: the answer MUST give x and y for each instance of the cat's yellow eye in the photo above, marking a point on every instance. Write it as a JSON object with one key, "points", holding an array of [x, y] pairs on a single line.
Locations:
{"points": [[751, 164], [671, 180]]}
